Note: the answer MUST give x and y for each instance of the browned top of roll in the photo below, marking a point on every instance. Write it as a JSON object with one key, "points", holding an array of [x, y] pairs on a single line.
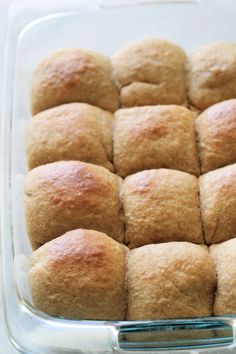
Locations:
{"points": [[159, 206], [73, 131], [224, 256], [212, 74], [66, 195], [80, 275], [73, 75], [154, 137], [139, 61], [218, 204], [216, 128], [150, 72], [170, 280]]}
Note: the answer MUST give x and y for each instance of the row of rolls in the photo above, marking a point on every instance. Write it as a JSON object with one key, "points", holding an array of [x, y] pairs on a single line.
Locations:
{"points": [[151, 206], [131, 196], [149, 72], [135, 139], [85, 274]]}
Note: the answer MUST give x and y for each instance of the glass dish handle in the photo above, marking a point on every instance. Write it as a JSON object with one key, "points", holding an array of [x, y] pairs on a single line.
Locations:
{"points": [[177, 334]]}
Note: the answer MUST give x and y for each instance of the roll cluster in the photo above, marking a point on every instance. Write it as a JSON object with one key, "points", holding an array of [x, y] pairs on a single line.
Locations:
{"points": [[132, 176], [86, 274]]}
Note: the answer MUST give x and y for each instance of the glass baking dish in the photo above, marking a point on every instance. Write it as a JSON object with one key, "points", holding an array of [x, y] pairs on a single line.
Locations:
{"points": [[36, 28]]}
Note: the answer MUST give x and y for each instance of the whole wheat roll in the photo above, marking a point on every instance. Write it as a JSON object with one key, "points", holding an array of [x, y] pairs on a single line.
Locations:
{"points": [[66, 195], [223, 255], [73, 75], [154, 137], [216, 128], [160, 206], [170, 280], [73, 131], [218, 204], [150, 72], [80, 275], [212, 74]]}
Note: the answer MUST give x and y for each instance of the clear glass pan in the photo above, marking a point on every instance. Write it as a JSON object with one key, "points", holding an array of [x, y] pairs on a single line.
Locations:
{"points": [[36, 28]]}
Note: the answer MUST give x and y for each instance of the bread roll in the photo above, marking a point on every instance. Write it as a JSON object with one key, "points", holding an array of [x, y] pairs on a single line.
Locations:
{"points": [[223, 255], [66, 195], [170, 280], [154, 137], [212, 74], [80, 275], [74, 131], [218, 204], [74, 75], [150, 72], [160, 206], [216, 129]]}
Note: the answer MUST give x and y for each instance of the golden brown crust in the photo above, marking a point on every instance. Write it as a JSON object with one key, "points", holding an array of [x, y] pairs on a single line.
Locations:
{"points": [[216, 129], [80, 275], [218, 204], [66, 195], [224, 256], [160, 206], [74, 131], [150, 72], [154, 137], [212, 74], [170, 280], [74, 75]]}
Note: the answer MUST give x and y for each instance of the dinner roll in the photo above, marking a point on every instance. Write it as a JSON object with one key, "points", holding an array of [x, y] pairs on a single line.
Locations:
{"points": [[66, 195], [216, 129], [150, 72], [73, 131], [170, 280], [74, 75], [218, 204], [160, 206], [223, 255], [80, 275], [154, 137], [212, 74]]}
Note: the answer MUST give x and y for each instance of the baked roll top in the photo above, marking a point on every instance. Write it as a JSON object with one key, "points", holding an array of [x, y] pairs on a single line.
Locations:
{"points": [[66, 195], [80, 275], [212, 74], [170, 280], [73, 75], [223, 255], [154, 137], [160, 206], [73, 131], [216, 128], [150, 72], [218, 204]]}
